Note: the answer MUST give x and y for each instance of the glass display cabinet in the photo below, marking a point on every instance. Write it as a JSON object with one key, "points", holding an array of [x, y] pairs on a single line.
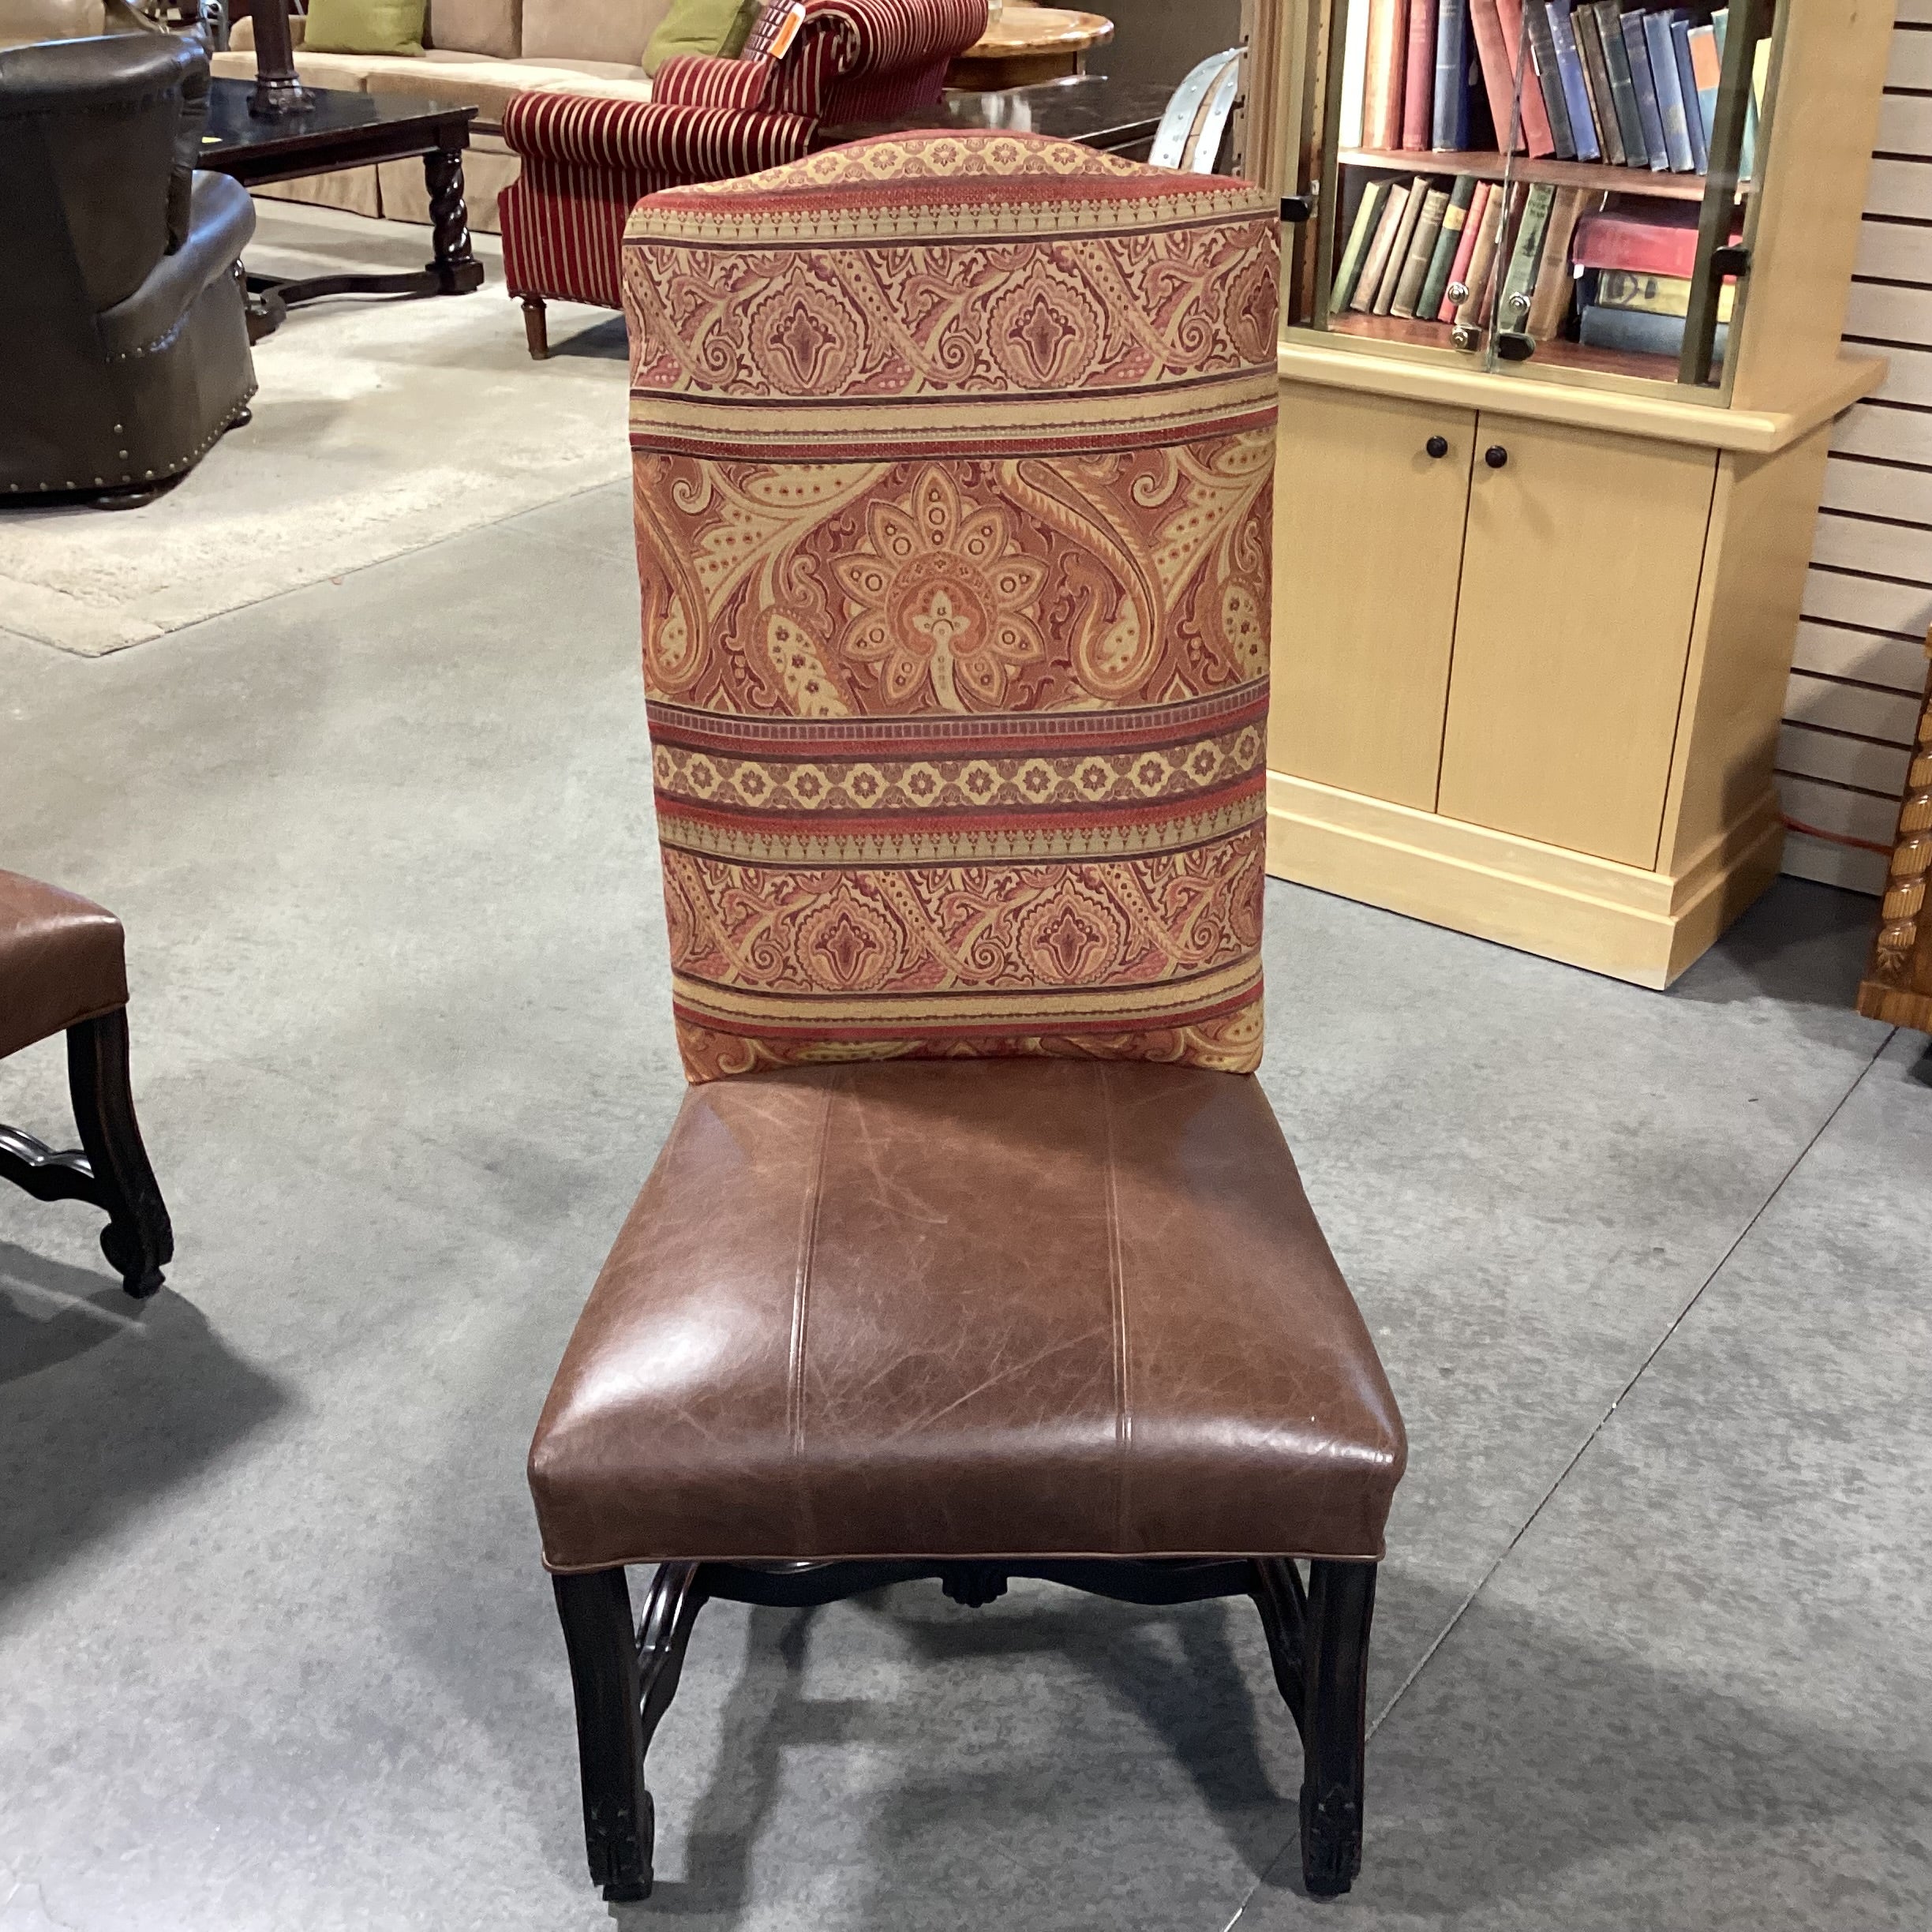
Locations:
{"points": [[1563, 283]]}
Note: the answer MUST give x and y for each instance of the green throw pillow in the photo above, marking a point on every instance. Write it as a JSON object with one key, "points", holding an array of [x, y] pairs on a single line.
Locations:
{"points": [[701, 27], [364, 26]]}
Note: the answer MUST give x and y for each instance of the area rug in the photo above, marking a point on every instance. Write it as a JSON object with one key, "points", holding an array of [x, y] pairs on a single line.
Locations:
{"points": [[381, 425]]}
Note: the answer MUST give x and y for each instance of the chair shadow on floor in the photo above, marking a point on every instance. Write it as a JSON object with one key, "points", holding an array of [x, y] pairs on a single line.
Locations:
{"points": [[1526, 1771], [104, 1406]]}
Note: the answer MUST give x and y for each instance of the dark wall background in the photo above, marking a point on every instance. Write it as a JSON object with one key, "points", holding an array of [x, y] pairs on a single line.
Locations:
{"points": [[1161, 39]]}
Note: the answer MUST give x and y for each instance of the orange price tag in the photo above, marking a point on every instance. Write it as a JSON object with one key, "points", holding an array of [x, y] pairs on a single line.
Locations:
{"points": [[787, 31]]}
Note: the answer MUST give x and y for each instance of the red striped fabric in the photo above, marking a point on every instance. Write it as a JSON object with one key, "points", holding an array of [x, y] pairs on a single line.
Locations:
{"points": [[702, 81], [587, 160]]}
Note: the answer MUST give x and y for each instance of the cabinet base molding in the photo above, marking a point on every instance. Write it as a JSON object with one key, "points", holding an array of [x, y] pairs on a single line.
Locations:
{"points": [[1643, 926]]}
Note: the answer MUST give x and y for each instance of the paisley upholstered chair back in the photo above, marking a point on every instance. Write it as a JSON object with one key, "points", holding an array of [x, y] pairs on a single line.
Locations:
{"points": [[952, 462]]}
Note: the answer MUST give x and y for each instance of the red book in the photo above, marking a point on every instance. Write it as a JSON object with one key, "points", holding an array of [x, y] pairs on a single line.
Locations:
{"points": [[1499, 77], [1382, 98], [1419, 76], [1536, 127], [1465, 248], [1663, 240]]}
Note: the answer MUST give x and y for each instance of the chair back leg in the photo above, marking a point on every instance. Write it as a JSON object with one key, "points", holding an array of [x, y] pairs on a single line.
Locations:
{"points": [[138, 1240]]}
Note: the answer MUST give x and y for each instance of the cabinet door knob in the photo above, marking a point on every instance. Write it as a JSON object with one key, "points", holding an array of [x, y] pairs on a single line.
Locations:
{"points": [[1437, 446], [1495, 455]]}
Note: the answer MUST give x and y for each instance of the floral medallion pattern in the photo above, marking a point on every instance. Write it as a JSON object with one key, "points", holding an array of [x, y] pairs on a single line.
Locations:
{"points": [[958, 736]]}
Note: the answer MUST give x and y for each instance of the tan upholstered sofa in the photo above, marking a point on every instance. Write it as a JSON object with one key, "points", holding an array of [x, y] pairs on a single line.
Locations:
{"points": [[479, 53]]}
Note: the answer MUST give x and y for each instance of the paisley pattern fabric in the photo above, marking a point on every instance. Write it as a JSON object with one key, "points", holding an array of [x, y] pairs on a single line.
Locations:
{"points": [[953, 458]]}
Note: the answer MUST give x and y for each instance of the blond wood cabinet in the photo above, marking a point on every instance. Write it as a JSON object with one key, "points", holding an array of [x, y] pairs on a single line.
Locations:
{"points": [[1580, 573], [1540, 701], [1369, 540]]}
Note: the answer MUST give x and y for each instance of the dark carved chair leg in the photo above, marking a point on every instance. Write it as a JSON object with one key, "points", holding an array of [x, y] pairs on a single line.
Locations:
{"points": [[1340, 1602], [536, 328], [595, 1612], [624, 1682], [137, 1240]]}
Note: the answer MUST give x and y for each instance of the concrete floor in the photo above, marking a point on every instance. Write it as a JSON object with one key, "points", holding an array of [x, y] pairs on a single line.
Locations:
{"points": [[1649, 1273]]}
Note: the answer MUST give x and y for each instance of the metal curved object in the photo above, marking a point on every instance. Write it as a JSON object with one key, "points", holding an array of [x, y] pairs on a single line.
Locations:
{"points": [[1190, 132]]}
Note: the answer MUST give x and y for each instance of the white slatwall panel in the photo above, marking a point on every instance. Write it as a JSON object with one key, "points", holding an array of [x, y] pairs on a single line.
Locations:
{"points": [[1860, 664]]}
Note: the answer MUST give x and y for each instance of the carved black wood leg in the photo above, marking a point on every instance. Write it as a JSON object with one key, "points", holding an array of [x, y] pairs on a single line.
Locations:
{"points": [[595, 1612], [1340, 1602], [455, 267], [138, 1240], [1278, 1594]]}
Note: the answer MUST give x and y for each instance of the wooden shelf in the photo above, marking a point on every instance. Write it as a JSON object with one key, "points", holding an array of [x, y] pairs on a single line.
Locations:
{"points": [[1558, 352], [1488, 166]]}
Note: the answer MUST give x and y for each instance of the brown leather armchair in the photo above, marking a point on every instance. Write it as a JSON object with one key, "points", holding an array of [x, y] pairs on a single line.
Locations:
{"points": [[62, 969], [122, 328], [976, 1250]]}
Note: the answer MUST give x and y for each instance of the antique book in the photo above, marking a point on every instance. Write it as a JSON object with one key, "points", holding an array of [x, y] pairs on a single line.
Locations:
{"points": [[1637, 45], [1538, 142], [1669, 93], [1549, 78], [1382, 98], [1575, 88], [1499, 77], [1659, 294], [1687, 84], [1473, 310], [1375, 264], [1526, 257], [1349, 270], [1704, 69], [1419, 76], [1603, 106], [1398, 248], [1549, 300], [1448, 244], [1465, 251], [1623, 85], [1637, 332], [1449, 124], [1421, 253]]}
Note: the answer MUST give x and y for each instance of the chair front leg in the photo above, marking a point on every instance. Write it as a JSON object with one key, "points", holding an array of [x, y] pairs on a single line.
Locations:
{"points": [[1334, 1659], [625, 1680], [138, 1240], [595, 1612]]}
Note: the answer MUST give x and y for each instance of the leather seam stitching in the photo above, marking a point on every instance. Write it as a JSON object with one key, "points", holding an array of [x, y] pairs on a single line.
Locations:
{"points": [[1116, 1282], [801, 1302]]}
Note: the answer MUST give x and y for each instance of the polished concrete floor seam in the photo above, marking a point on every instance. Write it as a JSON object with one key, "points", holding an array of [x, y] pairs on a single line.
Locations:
{"points": [[1289, 1852], [1662, 1342]]}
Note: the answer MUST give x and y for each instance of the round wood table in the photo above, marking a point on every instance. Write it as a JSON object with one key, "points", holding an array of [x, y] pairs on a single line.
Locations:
{"points": [[1028, 44]]}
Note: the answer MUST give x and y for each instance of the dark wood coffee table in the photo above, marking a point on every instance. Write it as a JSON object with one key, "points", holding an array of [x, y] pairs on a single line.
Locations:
{"points": [[342, 130]]}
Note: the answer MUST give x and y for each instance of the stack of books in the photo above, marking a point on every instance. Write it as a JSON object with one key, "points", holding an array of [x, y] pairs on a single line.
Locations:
{"points": [[1634, 267], [1628, 87]]}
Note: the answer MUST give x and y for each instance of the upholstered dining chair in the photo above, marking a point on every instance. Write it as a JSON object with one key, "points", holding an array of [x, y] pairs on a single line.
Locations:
{"points": [[62, 970], [975, 1250]]}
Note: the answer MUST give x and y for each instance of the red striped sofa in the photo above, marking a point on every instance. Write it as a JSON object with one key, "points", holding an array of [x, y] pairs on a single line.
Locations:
{"points": [[586, 162]]}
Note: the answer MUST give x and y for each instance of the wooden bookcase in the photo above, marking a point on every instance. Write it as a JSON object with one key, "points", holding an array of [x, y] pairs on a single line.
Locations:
{"points": [[1534, 619]]}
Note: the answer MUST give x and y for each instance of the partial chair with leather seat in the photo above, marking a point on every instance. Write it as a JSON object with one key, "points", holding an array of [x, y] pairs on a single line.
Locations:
{"points": [[63, 970], [123, 324], [976, 1250]]}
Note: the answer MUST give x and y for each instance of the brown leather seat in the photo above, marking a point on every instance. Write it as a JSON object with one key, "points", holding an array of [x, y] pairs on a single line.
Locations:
{"points": [[966, 1309], [60, 961]]}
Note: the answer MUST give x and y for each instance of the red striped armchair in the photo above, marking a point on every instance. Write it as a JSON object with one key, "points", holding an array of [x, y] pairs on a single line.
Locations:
{"points": [[586, 162]]}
